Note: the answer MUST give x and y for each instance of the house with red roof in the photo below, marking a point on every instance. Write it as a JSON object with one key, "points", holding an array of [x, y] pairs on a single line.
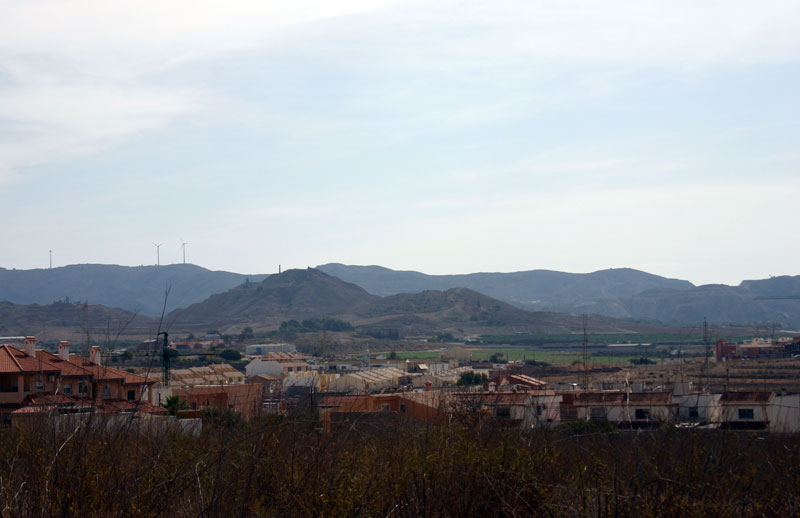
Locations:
{"points": [[33, 379]]}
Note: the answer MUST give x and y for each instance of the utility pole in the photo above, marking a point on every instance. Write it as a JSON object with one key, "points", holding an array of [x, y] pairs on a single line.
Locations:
{"points": [[166, 356], [707, 342]]}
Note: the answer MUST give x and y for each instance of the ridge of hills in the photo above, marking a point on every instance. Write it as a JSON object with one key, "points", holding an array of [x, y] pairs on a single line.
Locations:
{"points": [[293, 294], [619, 293], [299, 294], [525, 289], [67, 320], [134, 288]]}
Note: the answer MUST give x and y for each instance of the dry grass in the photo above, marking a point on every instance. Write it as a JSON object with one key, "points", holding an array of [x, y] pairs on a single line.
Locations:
{"points": [[283, 467]]}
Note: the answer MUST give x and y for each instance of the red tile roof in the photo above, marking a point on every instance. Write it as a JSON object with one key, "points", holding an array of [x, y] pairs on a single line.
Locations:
{"points": [[105, 373], [13, 360], [746, 397], [524, 379], [67, 368], [16, 361], [122, 405], [619, 398]]}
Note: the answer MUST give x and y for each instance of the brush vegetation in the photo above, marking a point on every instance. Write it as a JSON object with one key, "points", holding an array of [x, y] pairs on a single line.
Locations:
{"points": [[288, 467]]}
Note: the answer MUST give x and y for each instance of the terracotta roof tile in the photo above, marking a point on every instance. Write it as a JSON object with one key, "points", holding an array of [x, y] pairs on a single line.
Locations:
{"points": [[746, 397], [617, 398], [13, 360]]}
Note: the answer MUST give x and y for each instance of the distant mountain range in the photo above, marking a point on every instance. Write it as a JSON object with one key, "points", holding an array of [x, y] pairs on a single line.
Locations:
{"points": [[619, 293], [138, 289], [300, 294], [67, 320], [530, 289]]}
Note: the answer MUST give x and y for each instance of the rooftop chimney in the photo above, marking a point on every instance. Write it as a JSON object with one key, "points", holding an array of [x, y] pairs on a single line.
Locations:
{"points": [[63, 350], [94, 355], [30, 346]]}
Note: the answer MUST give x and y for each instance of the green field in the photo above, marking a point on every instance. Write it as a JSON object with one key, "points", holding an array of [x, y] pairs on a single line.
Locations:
{"points": [[519, 354], [552, 357]]}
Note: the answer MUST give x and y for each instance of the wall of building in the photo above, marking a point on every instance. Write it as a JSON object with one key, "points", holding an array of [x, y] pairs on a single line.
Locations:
{"points": [[784, 414]]}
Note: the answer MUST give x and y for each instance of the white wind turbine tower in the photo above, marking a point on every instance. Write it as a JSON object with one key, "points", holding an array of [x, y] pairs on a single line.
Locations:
{"points": [[158, 253], [183, 249]]}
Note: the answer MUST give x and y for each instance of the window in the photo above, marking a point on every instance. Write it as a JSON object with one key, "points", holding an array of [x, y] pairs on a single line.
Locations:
{"points": [[502, 412], [693, 412], [642, 413], [597, 414], [67, 389], [82, 389], [51, 378], [746, 413], [538, 409], [106, 391], [131, 395], [403, 407], [39, 384]]}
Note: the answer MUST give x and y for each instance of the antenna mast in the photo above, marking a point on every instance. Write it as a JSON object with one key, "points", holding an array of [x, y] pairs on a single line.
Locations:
{"points": [[585, 353]]}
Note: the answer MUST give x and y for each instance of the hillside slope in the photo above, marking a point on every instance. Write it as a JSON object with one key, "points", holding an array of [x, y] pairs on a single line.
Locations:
{"points": [[534, 289], [63, 320], [619, 293], [300, 294], [293, 294], [138, 289]]}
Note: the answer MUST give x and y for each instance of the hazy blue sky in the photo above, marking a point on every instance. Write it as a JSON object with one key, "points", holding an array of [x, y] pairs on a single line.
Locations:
{"points": [[469, 136]]}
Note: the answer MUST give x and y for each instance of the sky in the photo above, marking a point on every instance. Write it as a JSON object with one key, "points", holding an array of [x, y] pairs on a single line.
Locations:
{"points": [[442, 137]]}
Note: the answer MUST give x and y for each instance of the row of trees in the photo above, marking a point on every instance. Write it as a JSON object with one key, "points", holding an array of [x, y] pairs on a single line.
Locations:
{"points": [[312, 325]]}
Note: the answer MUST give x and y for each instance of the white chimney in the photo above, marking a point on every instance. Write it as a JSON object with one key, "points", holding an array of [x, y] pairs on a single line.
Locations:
{"points": [[30, 346], [63, 350], [94, 355]]}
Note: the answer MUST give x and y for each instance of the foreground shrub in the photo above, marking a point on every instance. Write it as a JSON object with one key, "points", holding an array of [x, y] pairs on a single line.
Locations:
{"points": [[288, 467]]}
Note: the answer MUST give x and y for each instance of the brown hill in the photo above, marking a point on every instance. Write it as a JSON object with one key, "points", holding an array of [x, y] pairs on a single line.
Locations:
{"points": [[293, 294], [465, 311], [65, 320], [300, 294]]}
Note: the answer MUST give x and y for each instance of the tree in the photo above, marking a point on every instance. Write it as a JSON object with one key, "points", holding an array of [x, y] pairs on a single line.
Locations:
{"points": [[174, 404], [230, 355], [470, 378], [497, 358], [393, 355]]}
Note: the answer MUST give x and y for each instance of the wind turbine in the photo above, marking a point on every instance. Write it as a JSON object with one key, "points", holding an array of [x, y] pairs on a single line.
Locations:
{"points": [[158, 253], [51, 259], [183, 249]]}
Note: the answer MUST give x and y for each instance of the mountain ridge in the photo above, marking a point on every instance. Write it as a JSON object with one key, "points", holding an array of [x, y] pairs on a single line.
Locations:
{"points": [[133, 288]]}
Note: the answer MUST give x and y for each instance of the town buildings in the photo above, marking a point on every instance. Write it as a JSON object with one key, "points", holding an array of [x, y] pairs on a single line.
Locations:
{"points": [[33, 380]]}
